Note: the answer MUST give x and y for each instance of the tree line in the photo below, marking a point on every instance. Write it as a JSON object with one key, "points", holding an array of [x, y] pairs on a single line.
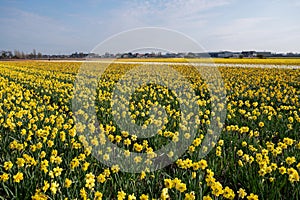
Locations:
{"points": [[16, 54]]}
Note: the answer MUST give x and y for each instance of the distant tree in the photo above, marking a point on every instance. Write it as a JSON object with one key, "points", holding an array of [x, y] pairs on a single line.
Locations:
{"points": [[3, 55], [34, 53], [9, 54], [6, 54], [39, 55], [17, 54], [260, 56]]}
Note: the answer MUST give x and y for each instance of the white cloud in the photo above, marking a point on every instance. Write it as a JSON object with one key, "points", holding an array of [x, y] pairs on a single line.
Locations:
{"points": [[242, 27], [216, 24], [255, 33], [171, 14]]}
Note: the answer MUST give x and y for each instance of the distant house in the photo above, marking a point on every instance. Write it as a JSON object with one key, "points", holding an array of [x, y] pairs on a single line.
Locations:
{"points": [[202, 55], [225, 54], [92, 55], [78, 55], [264, 54], [190, 55], [237, 55], [170, 55], [249, 54], [181, 55], [213, 54], [258, 54]]}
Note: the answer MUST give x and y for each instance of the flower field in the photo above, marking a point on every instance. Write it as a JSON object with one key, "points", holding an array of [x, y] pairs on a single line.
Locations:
{"points": [[269, 61], [46, 153]]}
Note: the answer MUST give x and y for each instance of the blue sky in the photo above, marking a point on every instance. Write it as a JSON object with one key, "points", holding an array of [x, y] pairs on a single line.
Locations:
{"points": [[66, 26]]}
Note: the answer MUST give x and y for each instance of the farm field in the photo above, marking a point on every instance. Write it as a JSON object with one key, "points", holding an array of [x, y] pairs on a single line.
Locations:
{"points": [[46, 153], [268, 61]]}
